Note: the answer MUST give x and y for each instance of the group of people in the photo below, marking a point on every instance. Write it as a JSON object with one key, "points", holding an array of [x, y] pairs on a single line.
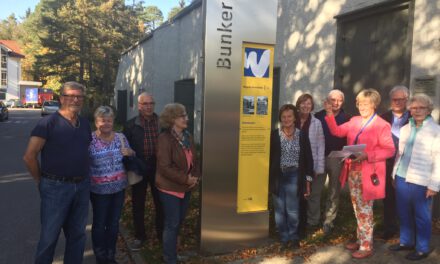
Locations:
{"points": [[77, 166], [398, 161]]}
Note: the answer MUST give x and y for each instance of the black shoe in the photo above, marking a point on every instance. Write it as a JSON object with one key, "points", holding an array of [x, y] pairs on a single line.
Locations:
{"points": [[387, 235], [284, 246], [294, 244], [327, 228], [417, 255], [399, 247]]}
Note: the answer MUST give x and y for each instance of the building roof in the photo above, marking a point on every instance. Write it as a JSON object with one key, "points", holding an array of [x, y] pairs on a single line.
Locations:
{"points": [[13, 48], [182, 13]]}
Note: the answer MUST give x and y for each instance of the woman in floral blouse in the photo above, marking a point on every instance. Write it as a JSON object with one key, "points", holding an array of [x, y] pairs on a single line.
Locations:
{"points": [[108, 181]]}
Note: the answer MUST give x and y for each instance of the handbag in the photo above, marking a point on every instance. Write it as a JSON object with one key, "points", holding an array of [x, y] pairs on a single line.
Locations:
{"points": [[134, 167]]}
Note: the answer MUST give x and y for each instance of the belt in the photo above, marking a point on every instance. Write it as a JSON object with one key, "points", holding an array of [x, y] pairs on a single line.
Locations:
{"points": [[62, 178], [287, 169]]}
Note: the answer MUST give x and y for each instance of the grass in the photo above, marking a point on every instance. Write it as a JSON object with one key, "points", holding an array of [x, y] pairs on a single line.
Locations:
{"points": [[345, 229]]}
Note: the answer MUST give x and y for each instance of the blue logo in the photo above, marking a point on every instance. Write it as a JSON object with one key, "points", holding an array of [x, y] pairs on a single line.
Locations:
{"points": [[256, 62]]}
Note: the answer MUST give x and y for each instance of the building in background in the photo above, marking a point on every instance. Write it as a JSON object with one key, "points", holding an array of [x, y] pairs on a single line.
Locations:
{"points": [[10, 68], [321, 45]]}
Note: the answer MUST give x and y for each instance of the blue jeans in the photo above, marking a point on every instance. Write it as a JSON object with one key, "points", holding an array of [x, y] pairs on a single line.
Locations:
{"points": [[414, 211], [63, 206], [286, 205], [174, 210], [107, 210]]}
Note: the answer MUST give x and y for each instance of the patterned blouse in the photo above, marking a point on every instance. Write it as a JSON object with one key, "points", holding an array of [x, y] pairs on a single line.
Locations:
{"points": [[106, 168], [289, 150]]}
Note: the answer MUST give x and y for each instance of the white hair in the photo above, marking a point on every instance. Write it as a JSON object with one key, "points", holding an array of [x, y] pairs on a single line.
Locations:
{"points": [[336, 92], [144, 94], [402, 88]]}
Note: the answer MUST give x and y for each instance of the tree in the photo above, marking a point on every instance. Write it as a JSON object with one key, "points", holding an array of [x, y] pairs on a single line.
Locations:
{"points": [[152, 17]]}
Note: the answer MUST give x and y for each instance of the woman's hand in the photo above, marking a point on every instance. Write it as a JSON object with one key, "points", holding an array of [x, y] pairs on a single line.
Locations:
{"points": [[360, 157], [192, 181], [127, 152], [308, 189], [430, 193], [328, 107]]}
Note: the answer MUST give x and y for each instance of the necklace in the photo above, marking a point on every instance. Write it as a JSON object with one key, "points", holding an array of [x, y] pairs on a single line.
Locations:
{"points": [[287, 134]]}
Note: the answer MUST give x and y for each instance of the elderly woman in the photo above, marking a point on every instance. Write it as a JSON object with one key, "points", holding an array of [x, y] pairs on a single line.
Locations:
{"points": [[417, 177], [366, 170], [312, 128], [177, 174], [291, 171], [108, 181]]}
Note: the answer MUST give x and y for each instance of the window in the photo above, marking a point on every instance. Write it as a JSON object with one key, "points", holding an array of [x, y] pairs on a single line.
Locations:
{"points": [[4, 60], [4, 78]]}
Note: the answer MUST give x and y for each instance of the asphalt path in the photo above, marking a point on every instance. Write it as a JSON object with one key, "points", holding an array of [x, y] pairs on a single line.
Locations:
{"points": [[19, 198]]}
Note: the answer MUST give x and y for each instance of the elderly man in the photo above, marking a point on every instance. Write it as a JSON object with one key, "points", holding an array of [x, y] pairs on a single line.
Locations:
{"points": [[63, 140], [142, 132], [397, 116], [332, 165]]}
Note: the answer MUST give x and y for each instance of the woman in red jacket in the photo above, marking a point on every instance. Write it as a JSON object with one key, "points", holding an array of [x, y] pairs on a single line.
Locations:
{"points": [[365, 171]]}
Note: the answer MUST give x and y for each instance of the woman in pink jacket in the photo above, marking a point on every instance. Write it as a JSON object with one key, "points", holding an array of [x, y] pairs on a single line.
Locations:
{"points": [[364, 171]]}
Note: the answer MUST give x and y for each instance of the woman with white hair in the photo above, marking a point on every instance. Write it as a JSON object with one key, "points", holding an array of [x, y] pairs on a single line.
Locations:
{"points": [[417, 177]]}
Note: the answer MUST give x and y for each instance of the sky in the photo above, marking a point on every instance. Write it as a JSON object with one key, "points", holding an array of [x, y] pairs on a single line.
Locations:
{"points": [[18, 7]]}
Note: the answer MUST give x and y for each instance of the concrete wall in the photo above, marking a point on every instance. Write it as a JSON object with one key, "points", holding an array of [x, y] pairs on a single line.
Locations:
{"points": [[305, 52], [306, 41], [425, 60], [170, 54]]}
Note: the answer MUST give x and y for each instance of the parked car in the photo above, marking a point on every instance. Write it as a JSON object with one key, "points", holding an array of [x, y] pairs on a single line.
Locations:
{"points": [[49, 107], [14, 103], [4, 113]]}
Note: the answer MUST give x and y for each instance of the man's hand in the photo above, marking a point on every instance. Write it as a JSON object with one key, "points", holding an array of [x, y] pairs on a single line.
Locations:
{"points": [[192, 181], [308, 189], [430, 193]]}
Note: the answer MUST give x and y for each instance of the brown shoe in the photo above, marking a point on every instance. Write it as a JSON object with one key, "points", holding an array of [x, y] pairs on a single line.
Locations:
{"points": [[361, 254], [352, 246]]}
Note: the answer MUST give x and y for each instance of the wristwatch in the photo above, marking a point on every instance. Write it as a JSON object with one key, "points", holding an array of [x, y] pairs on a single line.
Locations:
{"points": [[309, 178]]}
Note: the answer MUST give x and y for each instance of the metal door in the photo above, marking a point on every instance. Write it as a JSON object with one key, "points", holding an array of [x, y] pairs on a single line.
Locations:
{"points": [[373, 51], [184, 94], [121, 114]]}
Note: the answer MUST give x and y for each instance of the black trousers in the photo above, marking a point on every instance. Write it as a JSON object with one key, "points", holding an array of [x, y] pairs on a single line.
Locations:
{"points": [[138, 195], [389, 202]]}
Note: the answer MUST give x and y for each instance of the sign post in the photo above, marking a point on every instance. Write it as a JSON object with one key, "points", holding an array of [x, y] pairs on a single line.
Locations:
{"points": [[239, 39]]}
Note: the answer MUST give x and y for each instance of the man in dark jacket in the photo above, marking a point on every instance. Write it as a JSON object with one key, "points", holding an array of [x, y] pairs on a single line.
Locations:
{"points": [[332, 165], [397, 116], [142, 132]]}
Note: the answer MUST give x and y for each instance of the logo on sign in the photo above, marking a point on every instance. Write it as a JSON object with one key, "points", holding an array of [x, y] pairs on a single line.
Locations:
{"points": [[256, 62]]}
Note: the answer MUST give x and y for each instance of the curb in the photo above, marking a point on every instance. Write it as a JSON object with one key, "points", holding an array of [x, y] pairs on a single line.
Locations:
{"points": [[135, 256]]}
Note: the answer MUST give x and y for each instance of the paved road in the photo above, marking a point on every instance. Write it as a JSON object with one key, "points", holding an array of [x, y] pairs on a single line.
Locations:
{"points": [[19, 206]]}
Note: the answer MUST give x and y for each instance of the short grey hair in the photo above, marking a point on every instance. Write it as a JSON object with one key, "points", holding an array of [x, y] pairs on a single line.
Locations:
{"points": [[336, 92], [144, 94], [72, 86], [399, 87], [104, 111], [423, 99]]}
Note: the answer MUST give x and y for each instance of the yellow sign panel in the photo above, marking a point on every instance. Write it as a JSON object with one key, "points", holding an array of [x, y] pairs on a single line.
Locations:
{"points": [[255, 124]]}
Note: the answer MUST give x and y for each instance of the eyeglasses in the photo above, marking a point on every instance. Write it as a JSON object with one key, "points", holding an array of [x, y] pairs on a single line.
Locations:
{"points": [[183, 115], [73, 97], [147, 104], [398, 100], [420, 108]]}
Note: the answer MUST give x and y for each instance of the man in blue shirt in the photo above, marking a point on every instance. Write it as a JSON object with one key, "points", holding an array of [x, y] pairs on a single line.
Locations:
{"points": [[332, 165], [62, 139], [397, 116]]}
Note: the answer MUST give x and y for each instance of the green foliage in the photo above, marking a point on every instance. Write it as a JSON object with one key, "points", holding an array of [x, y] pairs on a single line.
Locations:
{"points": [[152, 17]]}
